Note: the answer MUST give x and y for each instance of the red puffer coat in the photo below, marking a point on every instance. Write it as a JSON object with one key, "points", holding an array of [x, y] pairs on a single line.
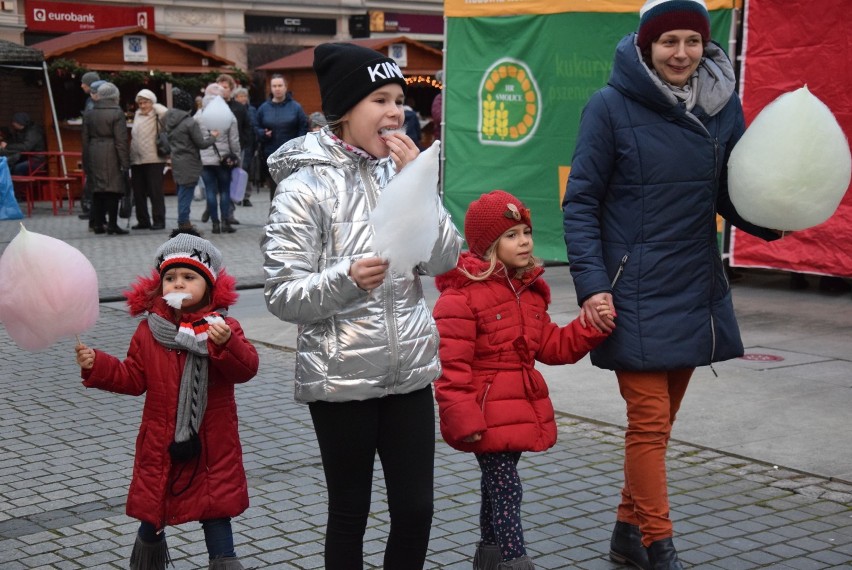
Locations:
{"points": [[492, 332], [218, 487]]}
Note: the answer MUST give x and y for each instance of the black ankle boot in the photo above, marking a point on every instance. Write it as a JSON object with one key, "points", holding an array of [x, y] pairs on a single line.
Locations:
{"points": [[625, 546], [663, 556]]}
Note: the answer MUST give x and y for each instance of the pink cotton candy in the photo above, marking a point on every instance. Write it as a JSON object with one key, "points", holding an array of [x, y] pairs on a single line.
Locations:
{"points": [[48, 290]]}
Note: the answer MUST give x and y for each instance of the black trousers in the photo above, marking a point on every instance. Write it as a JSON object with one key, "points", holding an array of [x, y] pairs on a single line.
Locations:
{"points": [[104, 205], [401, 429], [147, 181]]}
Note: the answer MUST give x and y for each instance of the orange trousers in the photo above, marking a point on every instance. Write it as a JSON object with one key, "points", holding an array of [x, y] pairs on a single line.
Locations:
{"points": [[653, 399]]}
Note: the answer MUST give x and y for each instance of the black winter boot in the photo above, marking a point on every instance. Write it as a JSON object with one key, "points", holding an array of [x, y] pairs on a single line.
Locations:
{"points": [[663, 556], [149, 555], [625, 546], [487, 557], [230, 563], [522, 563], [216, 228]]}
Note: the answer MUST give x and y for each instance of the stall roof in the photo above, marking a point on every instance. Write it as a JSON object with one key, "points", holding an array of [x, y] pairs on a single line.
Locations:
{"points": [[11, 52], [304, 59], [76, 46]]}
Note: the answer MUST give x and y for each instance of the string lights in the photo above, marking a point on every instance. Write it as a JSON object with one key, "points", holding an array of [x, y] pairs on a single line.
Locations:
{"points": [[424, 80]]}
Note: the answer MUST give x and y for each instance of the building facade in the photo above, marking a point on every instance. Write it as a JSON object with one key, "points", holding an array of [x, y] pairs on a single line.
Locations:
{"points": [[248, 33]]}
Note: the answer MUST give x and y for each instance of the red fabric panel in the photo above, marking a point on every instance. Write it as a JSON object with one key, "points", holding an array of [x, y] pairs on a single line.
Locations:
{"points": [[787, 45]]}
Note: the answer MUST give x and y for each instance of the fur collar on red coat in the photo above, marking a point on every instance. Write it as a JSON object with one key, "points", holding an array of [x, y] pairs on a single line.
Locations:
{"points": [[144, 295], [455, 279]]}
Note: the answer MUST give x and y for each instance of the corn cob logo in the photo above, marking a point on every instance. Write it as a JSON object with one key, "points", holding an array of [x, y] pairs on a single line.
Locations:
{"points": [[509, 104]]}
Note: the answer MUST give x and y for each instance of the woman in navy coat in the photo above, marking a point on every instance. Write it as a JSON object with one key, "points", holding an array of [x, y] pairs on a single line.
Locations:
{"points": [[647, 179]]}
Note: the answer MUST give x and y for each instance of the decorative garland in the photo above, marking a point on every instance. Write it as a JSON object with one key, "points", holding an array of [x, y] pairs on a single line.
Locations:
{"points": [[191, 83]]}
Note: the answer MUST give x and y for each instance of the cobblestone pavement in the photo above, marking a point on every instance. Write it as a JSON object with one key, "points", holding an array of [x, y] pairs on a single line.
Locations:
{"points": [[66, 456]]}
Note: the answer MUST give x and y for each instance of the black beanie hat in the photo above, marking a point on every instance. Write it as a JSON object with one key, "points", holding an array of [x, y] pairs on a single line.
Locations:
{"points": [[182, 100], [347, 73]]}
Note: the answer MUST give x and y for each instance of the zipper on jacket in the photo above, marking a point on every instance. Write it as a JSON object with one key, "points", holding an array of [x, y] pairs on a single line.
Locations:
{"points": [[485, 397], [390, 319], [619, 271]]}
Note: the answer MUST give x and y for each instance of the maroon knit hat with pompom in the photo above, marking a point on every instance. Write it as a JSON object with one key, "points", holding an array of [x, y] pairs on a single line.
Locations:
{"points": [[660, 16], [489, 216]]}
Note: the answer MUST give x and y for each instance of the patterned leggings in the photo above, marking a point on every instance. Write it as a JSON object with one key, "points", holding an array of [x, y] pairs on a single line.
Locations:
{"points": [[500, 513]]}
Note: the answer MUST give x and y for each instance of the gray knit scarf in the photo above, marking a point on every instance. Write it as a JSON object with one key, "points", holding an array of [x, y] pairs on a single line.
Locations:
{"points": [[192, 399]]}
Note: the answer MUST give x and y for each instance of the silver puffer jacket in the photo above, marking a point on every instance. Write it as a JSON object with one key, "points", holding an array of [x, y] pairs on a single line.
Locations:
{"points": [[352, 345]]}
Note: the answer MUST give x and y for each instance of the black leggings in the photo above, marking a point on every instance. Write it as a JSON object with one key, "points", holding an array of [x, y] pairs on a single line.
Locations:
{"points": [[402, 429]]}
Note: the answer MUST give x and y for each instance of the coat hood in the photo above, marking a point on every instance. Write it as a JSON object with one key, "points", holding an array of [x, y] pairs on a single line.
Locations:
{"points": [[455, 279], [174, 117], [144, 294], [633, 78]]}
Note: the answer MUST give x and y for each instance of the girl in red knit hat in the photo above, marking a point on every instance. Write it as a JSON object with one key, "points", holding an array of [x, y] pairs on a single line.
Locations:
{"points": [[493, 323]]}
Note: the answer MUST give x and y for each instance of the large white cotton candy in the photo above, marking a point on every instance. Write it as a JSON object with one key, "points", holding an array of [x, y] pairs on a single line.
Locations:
{"points": [[48, 290], [216, 115], [792, 166], [405, 221]]}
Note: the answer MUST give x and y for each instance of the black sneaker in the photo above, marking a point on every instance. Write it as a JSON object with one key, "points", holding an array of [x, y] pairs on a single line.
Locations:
{"points": [[246, 202]]}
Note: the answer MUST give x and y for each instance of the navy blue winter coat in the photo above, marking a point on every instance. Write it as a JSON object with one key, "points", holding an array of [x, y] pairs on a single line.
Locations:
{"points": [[647, 179], [287, 120]]}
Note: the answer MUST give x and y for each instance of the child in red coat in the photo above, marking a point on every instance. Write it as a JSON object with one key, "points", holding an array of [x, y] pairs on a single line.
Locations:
{"points": [[186, 356], [493, 322]]}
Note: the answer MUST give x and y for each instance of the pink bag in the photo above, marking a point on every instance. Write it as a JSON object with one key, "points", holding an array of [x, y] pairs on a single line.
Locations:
{"points": [[239, 180]]}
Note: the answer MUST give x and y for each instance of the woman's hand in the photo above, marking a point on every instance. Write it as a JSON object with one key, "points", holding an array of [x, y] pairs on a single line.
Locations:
{"points": [[472, 438], [599, 311], [219, 333], [85, 356], [402, 149], [368, 272]]}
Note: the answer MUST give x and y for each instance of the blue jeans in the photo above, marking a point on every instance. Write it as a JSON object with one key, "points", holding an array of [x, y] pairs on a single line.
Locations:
{"points": [[217, 184], [217, 535], [185, 193]]}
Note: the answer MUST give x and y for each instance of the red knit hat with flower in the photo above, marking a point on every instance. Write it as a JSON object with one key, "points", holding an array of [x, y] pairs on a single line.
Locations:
{"points": [[489, 216]]}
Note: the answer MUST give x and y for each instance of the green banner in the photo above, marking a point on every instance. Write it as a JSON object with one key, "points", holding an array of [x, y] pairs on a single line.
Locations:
{"points": [[516, 86]]}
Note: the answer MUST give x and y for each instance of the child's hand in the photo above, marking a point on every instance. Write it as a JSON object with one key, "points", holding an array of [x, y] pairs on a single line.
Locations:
{"points": [[219, 333], [598, 310], [402, 149], [472, 438], [85, 356], [368, 272]]}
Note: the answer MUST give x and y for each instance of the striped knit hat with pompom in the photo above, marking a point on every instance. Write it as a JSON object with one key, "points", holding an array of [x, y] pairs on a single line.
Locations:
{"points": [[193, 252], [657, 17]]}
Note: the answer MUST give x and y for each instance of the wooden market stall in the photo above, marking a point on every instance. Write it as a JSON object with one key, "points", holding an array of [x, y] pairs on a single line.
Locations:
{"points": [[419, 63], [132, 58]]}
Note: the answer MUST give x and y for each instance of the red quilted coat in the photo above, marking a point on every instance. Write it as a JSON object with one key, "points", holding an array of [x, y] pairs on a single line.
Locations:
{"points": [[492, 332], [218, 487]]}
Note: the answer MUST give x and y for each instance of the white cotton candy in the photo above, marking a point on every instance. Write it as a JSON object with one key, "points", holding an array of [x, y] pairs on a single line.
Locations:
{"points": [[405, 221], [792, 166], [48, 290], [216, 115], [175, 300]]}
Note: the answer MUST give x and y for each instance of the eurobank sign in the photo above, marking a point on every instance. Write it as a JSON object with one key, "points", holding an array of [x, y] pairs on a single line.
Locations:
{"points": [[43, 16]]}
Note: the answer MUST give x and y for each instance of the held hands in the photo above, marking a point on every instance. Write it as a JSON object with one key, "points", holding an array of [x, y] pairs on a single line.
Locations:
{"points": [[599, 311], [402, 149], [369, 272], [219, 333], [85, 356]]}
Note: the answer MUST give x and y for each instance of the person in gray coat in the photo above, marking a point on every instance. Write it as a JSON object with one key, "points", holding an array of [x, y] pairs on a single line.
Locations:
{"points": [[106, 158], [185, 140]]}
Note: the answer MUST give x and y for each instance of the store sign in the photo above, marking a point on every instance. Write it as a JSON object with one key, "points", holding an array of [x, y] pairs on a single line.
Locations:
{"points": [[136, 48], [44, 16], [391, 22], [291, 25]]}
